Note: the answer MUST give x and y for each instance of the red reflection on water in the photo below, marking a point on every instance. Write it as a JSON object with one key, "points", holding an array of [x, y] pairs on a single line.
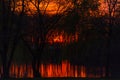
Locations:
{"points": [[21, 71], [65, 69]]}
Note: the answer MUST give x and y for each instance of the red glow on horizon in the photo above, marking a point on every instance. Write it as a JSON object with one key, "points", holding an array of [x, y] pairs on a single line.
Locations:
{"points": [[62, 37], [58, 39]]}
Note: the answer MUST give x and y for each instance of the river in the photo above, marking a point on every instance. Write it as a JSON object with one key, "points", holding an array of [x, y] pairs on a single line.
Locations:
{"points": [[64, 69]]}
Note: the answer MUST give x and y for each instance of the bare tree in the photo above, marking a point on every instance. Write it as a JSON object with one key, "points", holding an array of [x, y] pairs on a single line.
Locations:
{"points": [[111, 14], [45, 22], [9, 33], [5, 35]]}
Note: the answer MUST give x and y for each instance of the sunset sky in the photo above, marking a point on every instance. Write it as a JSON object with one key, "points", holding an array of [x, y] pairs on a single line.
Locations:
{"points": [[46, 7], [51, 7]]}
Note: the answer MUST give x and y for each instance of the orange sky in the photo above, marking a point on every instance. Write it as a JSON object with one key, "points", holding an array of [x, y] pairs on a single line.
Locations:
{"points": [[47, 7], [103, 7], [51, 7]]}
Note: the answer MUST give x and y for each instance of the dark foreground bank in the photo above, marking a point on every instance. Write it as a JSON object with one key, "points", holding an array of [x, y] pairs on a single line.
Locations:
{"points": [[59, 78]]}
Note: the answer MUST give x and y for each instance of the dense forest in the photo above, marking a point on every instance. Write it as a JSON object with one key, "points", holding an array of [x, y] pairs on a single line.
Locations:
{"points": [[84, 32]]}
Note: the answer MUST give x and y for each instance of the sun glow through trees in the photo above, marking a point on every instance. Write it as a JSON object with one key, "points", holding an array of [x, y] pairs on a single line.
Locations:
{"points": [[50, 7], [62, 37]]}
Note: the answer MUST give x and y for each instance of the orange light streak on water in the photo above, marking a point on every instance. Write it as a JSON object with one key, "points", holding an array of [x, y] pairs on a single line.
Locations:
{"points": [[83, 74]]}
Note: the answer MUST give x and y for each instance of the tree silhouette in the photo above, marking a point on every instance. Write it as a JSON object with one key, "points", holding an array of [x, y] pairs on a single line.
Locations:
{"points": [[44, 23], [9, 33], [111, 12]]}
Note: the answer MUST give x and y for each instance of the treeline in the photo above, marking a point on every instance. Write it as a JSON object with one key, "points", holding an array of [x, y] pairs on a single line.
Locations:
{"points": [[23, 31]]}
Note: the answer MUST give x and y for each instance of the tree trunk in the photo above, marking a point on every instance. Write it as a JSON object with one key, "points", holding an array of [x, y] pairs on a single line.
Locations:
{"points": [[35, 68], [4, 63], [108, 54]]}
